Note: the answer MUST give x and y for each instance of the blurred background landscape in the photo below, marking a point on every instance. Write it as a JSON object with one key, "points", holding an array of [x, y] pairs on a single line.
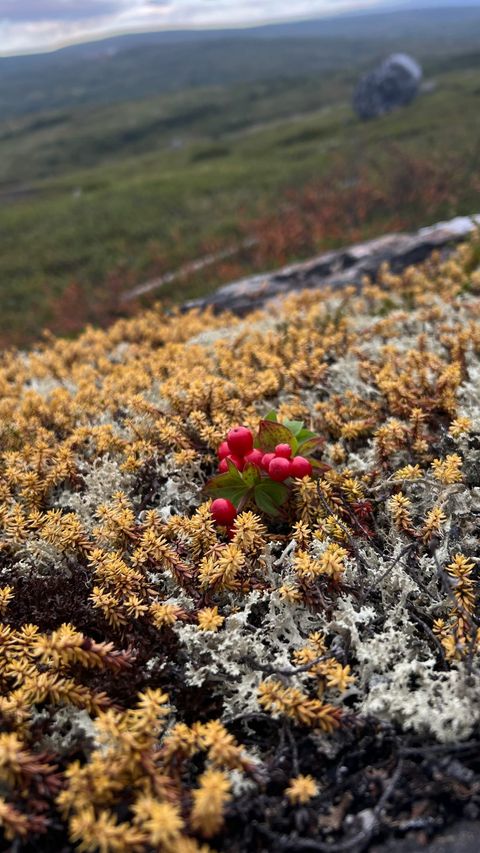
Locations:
{"points": [[166, 163]]}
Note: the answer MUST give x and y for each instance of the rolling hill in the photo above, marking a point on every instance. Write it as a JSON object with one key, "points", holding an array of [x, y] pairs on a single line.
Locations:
{"points": [[130, 67], [108, 179]]}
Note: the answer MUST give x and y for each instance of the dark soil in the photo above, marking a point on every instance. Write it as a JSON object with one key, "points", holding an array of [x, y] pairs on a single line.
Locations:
{"points": [[380, 791]]}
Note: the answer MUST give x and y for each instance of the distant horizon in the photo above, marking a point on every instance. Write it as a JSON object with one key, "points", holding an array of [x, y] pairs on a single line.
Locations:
{"points": [[34, 34]]}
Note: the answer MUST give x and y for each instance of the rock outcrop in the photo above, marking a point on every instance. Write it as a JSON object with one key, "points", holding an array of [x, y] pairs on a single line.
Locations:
{"points": [[339, 268], [394, 83]]}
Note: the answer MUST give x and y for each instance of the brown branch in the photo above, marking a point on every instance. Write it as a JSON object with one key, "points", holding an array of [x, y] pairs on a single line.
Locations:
{"points": [[429, 633], [440, 748]]}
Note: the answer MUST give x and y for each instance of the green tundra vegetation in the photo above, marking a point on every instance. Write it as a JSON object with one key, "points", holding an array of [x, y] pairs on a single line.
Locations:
{"points": [[97, 197]]}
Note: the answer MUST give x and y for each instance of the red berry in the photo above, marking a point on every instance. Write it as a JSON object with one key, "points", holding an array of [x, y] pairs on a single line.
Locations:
{"points": [[238, 461], [300, 467], [240, 440], [223, 467], [279, 469], [223, 512], [223, 450], [254, 457], [267, 458], [283, 450]]}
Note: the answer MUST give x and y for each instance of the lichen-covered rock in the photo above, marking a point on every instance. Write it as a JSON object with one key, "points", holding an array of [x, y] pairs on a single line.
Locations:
{"points": [[394, 83], [337, 269]]}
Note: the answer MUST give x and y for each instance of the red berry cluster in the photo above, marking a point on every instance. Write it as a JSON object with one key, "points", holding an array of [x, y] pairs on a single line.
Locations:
{"points": [[239, 450]]}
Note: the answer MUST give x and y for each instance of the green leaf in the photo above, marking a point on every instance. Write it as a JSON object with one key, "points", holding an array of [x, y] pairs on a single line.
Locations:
{"points": [[270, 496], [233, 472], [234, 484], [278, 491], [271, 433], [265, 503], [224, 487], [320, 466], [233, 494], [229, 485], [304, 434], [272, 416], [232, 477], [251, 475], [295, 427], [310, 445]]}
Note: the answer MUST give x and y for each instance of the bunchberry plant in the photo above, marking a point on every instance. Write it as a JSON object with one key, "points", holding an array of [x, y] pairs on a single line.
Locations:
{"points": [[260, 468]]}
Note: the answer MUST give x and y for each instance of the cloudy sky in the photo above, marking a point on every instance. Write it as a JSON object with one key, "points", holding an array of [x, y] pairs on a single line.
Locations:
{"points": [[43, 24]]}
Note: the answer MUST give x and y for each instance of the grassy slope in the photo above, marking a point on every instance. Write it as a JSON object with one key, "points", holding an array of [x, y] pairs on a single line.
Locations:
{"points": [[144, 186]]}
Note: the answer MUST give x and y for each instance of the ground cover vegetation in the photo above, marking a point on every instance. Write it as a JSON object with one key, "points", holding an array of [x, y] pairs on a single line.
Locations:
{"points": [[95, 199], [299, 675]]}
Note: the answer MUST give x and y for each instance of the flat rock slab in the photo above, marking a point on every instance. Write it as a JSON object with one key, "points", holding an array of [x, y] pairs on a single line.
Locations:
{"points": [[463, 837], [337, 269]]}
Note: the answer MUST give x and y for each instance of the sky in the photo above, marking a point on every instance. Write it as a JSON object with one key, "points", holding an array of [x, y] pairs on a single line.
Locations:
{"points": [[30, 25]]}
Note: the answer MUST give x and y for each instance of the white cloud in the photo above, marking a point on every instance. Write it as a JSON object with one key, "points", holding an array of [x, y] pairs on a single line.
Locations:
{"points": [[44, 24], [30, 11]]}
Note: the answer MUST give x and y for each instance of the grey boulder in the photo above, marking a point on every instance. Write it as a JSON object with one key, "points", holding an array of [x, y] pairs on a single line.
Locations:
{"points": [[394, 83]]}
